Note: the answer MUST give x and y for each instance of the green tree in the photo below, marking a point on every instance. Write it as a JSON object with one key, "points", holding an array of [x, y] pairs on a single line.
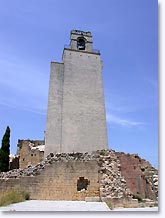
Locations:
{"points": [[5, 151]]}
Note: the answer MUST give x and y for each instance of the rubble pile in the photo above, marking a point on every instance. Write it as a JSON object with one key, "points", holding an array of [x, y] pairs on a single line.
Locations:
{"points": [[112, 184], [151, 174]]}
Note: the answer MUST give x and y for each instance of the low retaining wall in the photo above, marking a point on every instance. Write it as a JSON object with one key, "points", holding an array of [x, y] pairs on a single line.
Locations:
{"points": [[72, 180]]}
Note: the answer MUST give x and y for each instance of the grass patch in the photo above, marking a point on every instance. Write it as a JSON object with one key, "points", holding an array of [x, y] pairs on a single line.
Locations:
{"points": [[13, 197], [103, 152], [137, 196], [110, 205]]}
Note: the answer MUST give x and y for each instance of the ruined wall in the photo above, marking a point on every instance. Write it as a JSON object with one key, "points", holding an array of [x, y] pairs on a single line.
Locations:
{"points": [[30, 152], [13, 162], [58, 181], [138, 174], [115, 176]]}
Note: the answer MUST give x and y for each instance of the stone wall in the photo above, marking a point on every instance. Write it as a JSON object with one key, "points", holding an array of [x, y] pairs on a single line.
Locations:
{"points": [[112, 183], [31, 152], [13, 161], [53, 134], [83, 113], [139, 175], [58, 181], [114, 176]]}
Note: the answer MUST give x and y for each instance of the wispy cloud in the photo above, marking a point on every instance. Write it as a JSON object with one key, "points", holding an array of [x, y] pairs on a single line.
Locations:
{"points": [[41, 111], [112, 119], [120, 108]]}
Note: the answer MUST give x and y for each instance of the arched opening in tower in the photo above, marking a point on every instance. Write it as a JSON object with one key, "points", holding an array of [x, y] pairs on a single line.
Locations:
{"points": [[81, 44]]}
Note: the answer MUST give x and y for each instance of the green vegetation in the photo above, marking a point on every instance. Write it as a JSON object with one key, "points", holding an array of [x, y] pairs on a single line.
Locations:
{"points": [[5, 151], [103, 152], [110, 205], [13, 197], [137, 196]]}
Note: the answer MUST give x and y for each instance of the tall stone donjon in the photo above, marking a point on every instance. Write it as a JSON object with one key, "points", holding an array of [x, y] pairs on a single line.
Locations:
{"points": [[76, 120]]}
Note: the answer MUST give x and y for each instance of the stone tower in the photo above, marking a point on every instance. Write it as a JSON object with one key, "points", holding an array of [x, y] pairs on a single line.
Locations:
{"points": [[76, 119]]}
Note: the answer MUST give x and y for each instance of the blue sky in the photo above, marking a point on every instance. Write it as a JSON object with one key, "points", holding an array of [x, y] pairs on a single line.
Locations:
{"points": [[33, 33]]}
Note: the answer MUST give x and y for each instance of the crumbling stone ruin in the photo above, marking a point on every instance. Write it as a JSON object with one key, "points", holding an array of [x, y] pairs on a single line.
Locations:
{"points": [[30, 152], [141, 177], [106, 174], [13, 161]]}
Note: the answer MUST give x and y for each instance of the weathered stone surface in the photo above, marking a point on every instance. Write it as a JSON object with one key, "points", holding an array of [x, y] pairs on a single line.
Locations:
{"points": [[30, 152], [118, 172], [57, 181], [76, 111], [139, 174]]}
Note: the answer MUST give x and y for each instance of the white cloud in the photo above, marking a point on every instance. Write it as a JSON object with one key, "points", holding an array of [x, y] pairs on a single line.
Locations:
{"points": [[112, 119]]}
